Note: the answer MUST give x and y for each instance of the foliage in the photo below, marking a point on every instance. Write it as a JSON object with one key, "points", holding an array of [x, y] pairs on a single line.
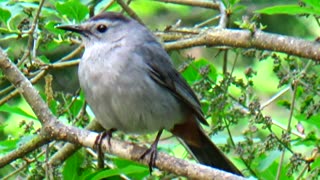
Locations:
{"points": [[262, 106], [310, 7]]}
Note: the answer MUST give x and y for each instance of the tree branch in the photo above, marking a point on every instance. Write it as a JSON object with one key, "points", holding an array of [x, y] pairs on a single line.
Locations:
{"points": [[68, 149], [243, 39], [26, 148]]}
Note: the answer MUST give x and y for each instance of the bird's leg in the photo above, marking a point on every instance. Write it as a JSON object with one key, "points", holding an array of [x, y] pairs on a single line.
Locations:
{"points": [[98, 145], [153, 152]]}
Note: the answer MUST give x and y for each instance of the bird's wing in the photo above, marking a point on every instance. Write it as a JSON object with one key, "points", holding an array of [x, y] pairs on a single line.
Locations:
{"points": [[162, 71]]}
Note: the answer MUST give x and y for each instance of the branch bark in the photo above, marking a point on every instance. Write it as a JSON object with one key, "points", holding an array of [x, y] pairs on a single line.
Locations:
{"points": [[243, 39]]}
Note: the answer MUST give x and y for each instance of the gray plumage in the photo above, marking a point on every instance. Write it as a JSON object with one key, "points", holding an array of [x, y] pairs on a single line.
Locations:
{"points": [[132, 86], [124, 74]]}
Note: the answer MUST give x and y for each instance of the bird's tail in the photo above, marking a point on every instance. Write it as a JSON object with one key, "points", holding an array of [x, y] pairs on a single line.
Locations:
{"points": [[203, 149]]}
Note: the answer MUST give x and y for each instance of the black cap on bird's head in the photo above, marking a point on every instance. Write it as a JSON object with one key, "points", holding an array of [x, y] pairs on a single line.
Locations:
{"points": [[112, 16]]}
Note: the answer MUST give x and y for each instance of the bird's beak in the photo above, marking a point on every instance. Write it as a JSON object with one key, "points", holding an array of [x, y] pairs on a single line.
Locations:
{"points": [[73, 28]]}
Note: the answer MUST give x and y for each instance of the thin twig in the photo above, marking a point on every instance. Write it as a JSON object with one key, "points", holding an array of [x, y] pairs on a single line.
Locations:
{"points": [[245, 110], [280, 165], [11, 174], [41, 73], [60, 65], [32, 40], [199, 3], [293, 101], [281, 126], [35, 143], [223, 16], [227, 126], [16, 91], [6, 90], [305, 168], [129, 11], [72, 54], [107, 6], [274, 97], [208, 21], [32, 44]]}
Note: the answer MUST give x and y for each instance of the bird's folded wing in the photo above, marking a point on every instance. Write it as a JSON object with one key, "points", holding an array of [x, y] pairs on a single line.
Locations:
{"points": [[162, 71]]}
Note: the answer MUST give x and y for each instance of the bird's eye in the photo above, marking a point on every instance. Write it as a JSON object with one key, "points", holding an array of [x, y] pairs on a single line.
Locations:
{"points": [[102, 28]]}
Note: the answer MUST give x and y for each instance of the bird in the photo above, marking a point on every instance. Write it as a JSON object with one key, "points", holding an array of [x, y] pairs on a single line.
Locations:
{"points": [[131, 85]]}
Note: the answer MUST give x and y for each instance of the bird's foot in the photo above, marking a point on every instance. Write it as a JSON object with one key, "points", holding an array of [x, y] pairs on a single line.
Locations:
{"points": [[153, 152], [98, 145]]}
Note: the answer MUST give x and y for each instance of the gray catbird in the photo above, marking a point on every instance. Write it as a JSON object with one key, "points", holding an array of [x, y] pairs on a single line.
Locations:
{"points": [[132, 86]]}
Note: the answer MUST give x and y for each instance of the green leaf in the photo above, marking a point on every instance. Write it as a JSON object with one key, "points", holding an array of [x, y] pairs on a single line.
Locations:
{"points": [[51, 26], [2, 126], [131, 169], [284, 103], [4, 15], [72, 166], [310, 140], [193, 72], [77, 106], [313, 120], [8, 145], [316, 163], [265, 163], [16, 110], [288, 9], [73, 9], [230, 2], [50, 46], [313, 3], [122, 163], [44, 59]]}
